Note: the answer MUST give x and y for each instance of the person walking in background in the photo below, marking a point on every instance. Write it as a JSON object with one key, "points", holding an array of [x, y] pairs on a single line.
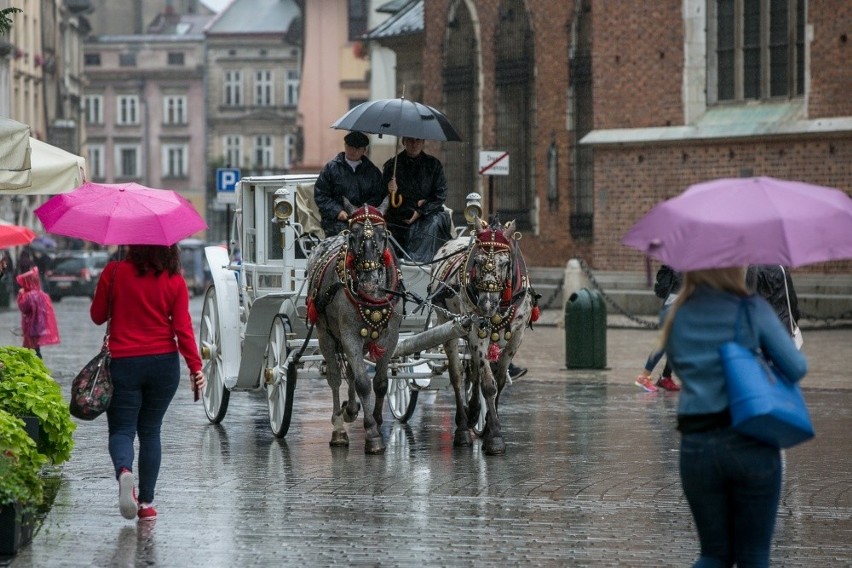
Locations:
{"points": [[773, 282], [25, 264], [667, 284], [732, 482], [419, 224], [145, 299], [352, 175], [38, 320]]}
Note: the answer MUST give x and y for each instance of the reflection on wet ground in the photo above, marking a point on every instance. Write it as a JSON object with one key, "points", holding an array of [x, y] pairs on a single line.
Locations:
{"points": [[589, 478]]}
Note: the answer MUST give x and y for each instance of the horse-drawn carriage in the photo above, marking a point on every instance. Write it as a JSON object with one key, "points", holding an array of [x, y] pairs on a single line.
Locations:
{"points": [[367, 308]]}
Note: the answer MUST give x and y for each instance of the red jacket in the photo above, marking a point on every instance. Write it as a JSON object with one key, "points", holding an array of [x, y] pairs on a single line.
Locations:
{"points": [[150, 314]]}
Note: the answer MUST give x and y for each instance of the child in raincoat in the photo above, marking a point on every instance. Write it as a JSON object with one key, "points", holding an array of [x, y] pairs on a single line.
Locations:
{"points": [[38, 320]]}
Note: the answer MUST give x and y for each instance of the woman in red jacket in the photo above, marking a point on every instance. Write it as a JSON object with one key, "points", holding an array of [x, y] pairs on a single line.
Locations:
{"points": [[146, 299]]}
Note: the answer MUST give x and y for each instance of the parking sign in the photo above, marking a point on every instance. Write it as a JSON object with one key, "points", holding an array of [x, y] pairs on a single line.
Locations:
{"points": [[226, 185]]}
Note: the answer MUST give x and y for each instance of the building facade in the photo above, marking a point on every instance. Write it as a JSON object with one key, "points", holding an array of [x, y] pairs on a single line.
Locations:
{"points": [[607, 108], [253, 61], [144, 107]]}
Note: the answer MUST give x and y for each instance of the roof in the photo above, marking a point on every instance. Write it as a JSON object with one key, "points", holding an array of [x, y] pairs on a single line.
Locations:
{"points": [[255, 16], [393, 6], [177, 24], [407, 21]]}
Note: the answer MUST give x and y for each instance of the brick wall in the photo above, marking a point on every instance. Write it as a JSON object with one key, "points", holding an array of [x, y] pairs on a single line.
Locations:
{"points": [[629, 181], [831, 59]]}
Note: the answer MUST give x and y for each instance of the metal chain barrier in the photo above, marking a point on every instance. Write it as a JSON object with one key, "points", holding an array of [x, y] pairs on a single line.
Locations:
{"points": [[639, 321]]}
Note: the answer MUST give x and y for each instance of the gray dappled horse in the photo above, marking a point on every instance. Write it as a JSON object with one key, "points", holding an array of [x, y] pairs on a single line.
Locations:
{"points": [[483, 276], [352, 299]]}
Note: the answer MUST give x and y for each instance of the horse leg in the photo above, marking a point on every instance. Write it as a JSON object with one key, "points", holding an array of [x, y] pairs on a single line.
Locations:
{"points": [[380, 388], [373, 442], [492, 439], [351, 406], [339, 437], [462, 434]]}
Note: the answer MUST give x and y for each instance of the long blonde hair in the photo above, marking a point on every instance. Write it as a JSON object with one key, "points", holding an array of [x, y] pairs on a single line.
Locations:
{"points": [[726, 279]]}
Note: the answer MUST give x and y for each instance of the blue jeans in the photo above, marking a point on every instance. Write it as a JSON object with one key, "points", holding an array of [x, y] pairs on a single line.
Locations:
{"points": [[143, 389], [733, 486]]}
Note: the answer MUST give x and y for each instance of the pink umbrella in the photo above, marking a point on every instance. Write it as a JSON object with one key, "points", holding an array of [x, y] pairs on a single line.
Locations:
{"points": [[741, 221], [121, 214]]}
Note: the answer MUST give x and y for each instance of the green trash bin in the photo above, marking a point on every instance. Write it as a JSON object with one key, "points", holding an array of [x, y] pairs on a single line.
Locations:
{"points": [[585, 330]]}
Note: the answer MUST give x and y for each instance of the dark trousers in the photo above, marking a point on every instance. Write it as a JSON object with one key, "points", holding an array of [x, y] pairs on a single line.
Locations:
{"points": [[733, 486], [143, 389]]}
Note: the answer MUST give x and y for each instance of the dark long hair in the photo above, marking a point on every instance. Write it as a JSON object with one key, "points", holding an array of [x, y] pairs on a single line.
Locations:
{"points": [[154, 258]]}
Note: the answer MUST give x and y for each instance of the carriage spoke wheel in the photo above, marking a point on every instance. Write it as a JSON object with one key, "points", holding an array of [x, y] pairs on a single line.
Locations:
{"points": [[402, 399], [278, 382], [469, 386], [214, 395]]}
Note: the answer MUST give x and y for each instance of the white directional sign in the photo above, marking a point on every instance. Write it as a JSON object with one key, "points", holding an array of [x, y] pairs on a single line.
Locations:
{"points": [[494, 163], [226, 185]]}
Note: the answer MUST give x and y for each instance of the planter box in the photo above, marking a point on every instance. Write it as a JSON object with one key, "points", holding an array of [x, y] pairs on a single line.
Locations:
{"points": [[16, 529]]}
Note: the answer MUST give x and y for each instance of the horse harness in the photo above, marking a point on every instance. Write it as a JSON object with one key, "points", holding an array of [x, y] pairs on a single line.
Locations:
{"points": [[374, 314]]}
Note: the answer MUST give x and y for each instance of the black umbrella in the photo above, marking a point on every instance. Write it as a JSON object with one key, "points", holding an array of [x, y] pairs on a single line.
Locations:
{"points": [[399, 117]]}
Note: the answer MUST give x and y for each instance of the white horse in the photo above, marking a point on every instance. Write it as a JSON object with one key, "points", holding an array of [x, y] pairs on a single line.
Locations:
{"points": [[353, 282], [484, 276]]}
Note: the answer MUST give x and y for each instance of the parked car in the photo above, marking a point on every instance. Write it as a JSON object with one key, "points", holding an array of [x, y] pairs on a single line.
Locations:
{"points": [[75, 274], [194, 266]]}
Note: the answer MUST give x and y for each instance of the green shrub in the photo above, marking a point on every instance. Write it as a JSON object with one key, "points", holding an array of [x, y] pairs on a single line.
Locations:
{"points": [[27, 389], [20, 464]]}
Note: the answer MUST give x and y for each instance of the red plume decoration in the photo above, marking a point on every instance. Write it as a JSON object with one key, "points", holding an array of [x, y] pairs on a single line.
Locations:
{"points": [[313, 315], [387, 258], [375, 351], [536, 313], [350, 260], [507, 292], [494, 352]]}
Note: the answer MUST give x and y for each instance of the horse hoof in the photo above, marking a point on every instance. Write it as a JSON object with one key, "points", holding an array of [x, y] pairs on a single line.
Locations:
{"points": [[374, 446], [347, 417], [495, 446], [462, 438], [339, 439]]}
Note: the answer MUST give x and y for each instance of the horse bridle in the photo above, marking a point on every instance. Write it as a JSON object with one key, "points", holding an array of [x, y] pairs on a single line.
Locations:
{"points": [[369, 218]]}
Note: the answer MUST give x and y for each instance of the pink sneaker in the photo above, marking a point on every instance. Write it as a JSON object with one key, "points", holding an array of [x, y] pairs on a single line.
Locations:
{"points": [[127, 494], [668, 384], [147, 512], [645, 382]]}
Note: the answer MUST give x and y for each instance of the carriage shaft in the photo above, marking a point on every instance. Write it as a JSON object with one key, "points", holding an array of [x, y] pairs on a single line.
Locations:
{"points": [[454, 329]]}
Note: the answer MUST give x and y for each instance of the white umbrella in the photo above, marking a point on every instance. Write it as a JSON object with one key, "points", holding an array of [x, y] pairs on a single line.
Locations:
{"points": [[14, 154], [54, 170]]}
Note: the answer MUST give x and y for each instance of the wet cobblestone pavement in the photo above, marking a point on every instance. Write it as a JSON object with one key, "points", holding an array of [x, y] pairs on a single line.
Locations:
{"points": [[589, 478]]}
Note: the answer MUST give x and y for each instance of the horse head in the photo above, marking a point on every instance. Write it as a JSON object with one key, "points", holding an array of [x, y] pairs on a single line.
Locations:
{"points": [[489, 266], [369, 260]]}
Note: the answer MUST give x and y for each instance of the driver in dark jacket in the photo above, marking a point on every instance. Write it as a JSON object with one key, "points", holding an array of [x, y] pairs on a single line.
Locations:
{"points": [[352, 175]]}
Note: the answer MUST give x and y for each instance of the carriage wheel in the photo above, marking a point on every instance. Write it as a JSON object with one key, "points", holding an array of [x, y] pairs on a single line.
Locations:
{"points": [[402, 399], [479, 427], [279, 383], [214, 395]]}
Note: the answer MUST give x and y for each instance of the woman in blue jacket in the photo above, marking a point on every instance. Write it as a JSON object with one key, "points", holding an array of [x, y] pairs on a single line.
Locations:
{"points": [[732, 482]]}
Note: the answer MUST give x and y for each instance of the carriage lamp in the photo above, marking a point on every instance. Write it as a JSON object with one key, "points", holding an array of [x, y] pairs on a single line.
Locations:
{"points": [[282, 208], [473, 207]]}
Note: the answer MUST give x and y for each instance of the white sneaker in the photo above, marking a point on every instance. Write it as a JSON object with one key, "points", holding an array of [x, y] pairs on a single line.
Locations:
{"points": [[127, 503]]}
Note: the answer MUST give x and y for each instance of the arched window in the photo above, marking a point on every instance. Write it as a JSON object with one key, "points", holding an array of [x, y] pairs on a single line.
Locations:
{"points": [[514, 81], [461, 85]]}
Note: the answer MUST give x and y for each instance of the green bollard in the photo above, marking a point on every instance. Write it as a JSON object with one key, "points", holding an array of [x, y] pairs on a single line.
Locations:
{"points": [[585, 330]]}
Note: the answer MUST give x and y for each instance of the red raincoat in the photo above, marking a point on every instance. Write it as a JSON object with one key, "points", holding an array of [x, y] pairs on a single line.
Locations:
{"points": [[38, 320]]}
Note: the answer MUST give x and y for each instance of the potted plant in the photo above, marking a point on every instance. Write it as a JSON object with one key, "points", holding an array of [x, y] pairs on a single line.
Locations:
{"points": [[27, 390], [21, 486]]}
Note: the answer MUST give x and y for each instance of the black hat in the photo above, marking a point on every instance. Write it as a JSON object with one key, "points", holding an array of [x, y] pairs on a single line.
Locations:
{"points": [[356, 140]]}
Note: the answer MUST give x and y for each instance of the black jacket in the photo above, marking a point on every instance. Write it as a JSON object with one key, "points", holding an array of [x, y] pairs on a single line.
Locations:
{"points": [[416, 178], [337, 180], [768, 281]]}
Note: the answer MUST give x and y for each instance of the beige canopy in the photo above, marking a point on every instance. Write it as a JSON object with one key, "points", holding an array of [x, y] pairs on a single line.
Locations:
{"points": [[15, 173], [53, 170]]}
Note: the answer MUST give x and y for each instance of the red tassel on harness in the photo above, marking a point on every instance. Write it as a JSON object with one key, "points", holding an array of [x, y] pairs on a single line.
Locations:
{"points": [[350, 260], [507, 293], [313, 315], [536, 313], [375, 351], [494, 352], [387, 259]]}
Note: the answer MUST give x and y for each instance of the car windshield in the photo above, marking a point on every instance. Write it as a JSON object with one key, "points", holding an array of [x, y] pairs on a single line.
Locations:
{"points": [[70, 265]]}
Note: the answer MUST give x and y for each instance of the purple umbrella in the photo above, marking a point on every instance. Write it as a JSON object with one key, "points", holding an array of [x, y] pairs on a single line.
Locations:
{"points": [[741, 221]]}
